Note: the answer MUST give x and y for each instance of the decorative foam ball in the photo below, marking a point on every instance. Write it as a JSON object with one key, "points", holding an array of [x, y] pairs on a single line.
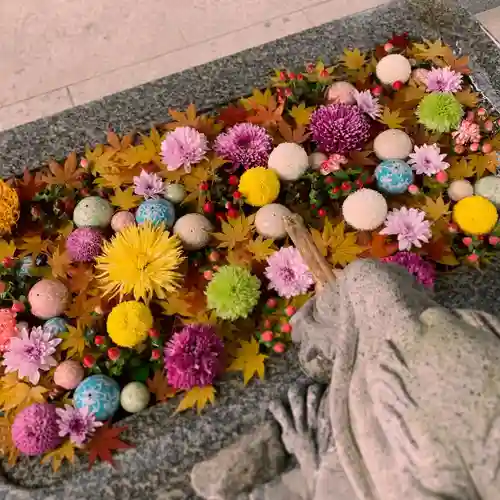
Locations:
{"points": [[489, 188], [259, 186], [365, 209], [289, 161], [48, 298], [128, 323], [194, 231], [392, 144], [93, 211], [394, 176], [269, 221], [55, 326], [157, 212], [121, 220], [84, 244], [393, 68], [460, 189], [316, 159], [68, 374], [175, 193], [134, 397], [340, 93], [100, 393], [475, 215]]}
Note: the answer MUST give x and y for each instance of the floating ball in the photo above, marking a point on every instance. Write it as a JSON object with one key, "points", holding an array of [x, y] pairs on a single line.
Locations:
{"points": [[194, 231], [489, 188], [157, 212], [93, 211], [121, 220], [316, 159], [475, 215], [55, 326], [68, 374], [392, 144], [175, 193], [48, 298], [394, 176], [100, 393], [365, 209], [340, 93], [460, 189], [393, 68], [289, 161], [134, 397], [269, 221]]}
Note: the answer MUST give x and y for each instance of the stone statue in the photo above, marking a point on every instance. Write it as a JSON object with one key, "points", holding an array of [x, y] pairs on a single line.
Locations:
{"points": [[411, 408]]}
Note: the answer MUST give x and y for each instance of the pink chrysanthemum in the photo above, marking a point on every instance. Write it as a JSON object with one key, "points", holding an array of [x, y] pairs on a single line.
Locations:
{"points": [[8, 328], [339, 128], [31, 353], [443, 80], [333, 164], [423, 271], [149, 185], [245, 144], [183, 147], [35, 430], [193, 357], [410, 227], [428, 160], [77, 423], [84, 244], [367, 103], [287, 273], [468, 132]]}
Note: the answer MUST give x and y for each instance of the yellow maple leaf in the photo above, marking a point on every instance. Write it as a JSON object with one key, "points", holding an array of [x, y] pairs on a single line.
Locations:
{"points": [[68, 175], [343, 247], [65, 452], [66, 228], [239, 256], [179, 302], [7, 446], [257, 99], [301, 114], [435, 209], [74, 340], [429, 50], [467, 98], [59, 261], [392, 118], [125, 199], [353, 59], [261, 249], [7, 249], [484, 163], [235, 231], [16, 395], [460, 168], [83, 307], [319, 241], [249, 360], [197, 397], [33, 245]]}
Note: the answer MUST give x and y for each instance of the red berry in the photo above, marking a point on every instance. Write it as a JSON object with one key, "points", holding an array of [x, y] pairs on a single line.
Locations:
{"points": [[474, 146], [267, 336], [459, 149], [493, 240], [7, 262], [300, 76], [232, 213], [290, 311], [313, 206], [487, 148], [84, 163], [99, 340], [88, 361], [228, 205], [452, 227], [346, 186], [267, 324], [114, 353], [3, 287], [208, 207], [154, 333], [335, 190], [234, 180], [215, 268], [481, 112], [321, 212], [236, 195], [397, 85], [310, 68], [155, 354], [413, 189], [18, 307], [324, 74], [220, 216], [467, 241], [288, 92], [388, 47], [369, 180], [291, 75], [286, 327], [279, 347], [376, 91], [442, 177], [271, 303], [208, 275], [473, 257], [329, 180], [359, 183], [84, 192], [213, 256], [282, 76], [204, 186]]}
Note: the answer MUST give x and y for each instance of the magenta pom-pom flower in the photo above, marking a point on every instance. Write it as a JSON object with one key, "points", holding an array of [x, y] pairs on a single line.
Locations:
{"points": [[77, 423], [193, 357], [339, 128], [423, 271], [84, 244], [35, 430], [183, 147]]}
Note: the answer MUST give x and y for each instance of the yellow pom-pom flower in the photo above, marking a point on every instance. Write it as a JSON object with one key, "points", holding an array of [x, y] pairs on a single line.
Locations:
{"points": [[475, 215], [260, 186], [141, 260], [9, 208], [128, 323]]}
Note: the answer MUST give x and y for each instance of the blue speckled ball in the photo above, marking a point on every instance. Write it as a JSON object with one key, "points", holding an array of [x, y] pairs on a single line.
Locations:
{"points": [[100, 393], [55, 325], [394, 176], [156, 211]]}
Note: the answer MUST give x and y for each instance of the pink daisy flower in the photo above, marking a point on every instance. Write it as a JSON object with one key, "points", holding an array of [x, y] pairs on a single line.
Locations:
{"points": [[428, 160], [149, 185], [467, 132], [410, 227], [367, 103], [183, 147], [443, 80], [77, 423]]}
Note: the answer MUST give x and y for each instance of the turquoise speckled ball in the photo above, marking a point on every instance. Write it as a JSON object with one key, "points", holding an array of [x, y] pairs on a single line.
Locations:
{"points": [[93, 211], [55, 325], [100, 393], [157, 212], [394, 176]]}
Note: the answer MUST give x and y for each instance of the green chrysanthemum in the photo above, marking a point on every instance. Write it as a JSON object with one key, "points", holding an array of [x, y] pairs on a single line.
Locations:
{"points": [[233, 292], [440, 112]]}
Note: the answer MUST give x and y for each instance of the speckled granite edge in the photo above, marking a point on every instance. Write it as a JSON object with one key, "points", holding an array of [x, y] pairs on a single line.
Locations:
{"points": [[477, 6]]}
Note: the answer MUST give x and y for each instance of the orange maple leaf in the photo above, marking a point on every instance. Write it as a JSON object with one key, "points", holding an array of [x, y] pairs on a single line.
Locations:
{"points": [[81, 277], [68, 175], [105, 440], [158, 385], [29, 185], [380, 248]]}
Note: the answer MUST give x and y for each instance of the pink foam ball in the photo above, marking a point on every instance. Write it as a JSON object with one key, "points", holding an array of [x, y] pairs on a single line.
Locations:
{"points": [[68, 374], [340, 93], [48, 298], [121, 220]]}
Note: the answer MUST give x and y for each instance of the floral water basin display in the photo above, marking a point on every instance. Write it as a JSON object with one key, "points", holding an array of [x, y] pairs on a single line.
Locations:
{"points": [[149, 267]]}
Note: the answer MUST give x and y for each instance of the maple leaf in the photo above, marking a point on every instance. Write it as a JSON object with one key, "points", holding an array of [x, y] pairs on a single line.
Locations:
{"points": [[461, 64], [235, 231], [105, 440], [301, 114], [248, 360], [430, 50], [484, 163], [33, 245], [361, 158], [65, 452], [321, 239], [29, 185], [239, 256], [7, 249], [125, 199], [353, 59], [74, 340], [298, 134], [391, 118], [83, 307], [435, 209], [59, 261], [260, 248], [380, 248], [158, 385], [15, 394], [268, 116], [7, 446], [187, 118], [410, 94], [257, 99], [231, 115], [460, 168], [467, 98], [343, 246], [179, 303], [68, 176], [197, 397], [81, 277]]}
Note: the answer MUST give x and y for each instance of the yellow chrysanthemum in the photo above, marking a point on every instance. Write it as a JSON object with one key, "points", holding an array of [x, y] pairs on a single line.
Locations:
{"points": [[128, 323], [260, 186], [141, 260], [9, 208], [475, 215]]}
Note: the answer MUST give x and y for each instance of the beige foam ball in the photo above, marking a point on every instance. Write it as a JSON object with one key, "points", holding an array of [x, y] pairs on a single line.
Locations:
{"points": [[393, 68], [48, 298], [489, 188], [193, 230], [68, 374], [134, 397], [121, 220], [340, 93], [365, 209], [175, 193], [392, 144], [269, 221], [289, 161], [316, 159], [460, 189]]}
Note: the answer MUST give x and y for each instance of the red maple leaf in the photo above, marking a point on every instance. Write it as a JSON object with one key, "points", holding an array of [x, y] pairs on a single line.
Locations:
{"points": [[401, 41], [29, 185], [231, 115], [105, 440]]}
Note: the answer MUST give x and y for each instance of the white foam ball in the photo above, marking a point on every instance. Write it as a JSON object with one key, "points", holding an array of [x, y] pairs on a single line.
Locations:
{"points": [[134, 397], [175, 193], [489, 188], [316, 159], [269, 220], [289, 161], [393, 68], [193, 230], [365, 209], [460, 189], [392, 144]]}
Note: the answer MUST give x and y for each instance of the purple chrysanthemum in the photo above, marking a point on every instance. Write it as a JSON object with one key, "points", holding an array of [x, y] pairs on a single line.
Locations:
{"points": [[149, 185], [410, 227], [193, 357], [339, 128], [84, 244], [245, 144], [77, 423], [35, 430], [443, 80], [368, 103], [183, 147], [423, 271], [287, 273]]}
